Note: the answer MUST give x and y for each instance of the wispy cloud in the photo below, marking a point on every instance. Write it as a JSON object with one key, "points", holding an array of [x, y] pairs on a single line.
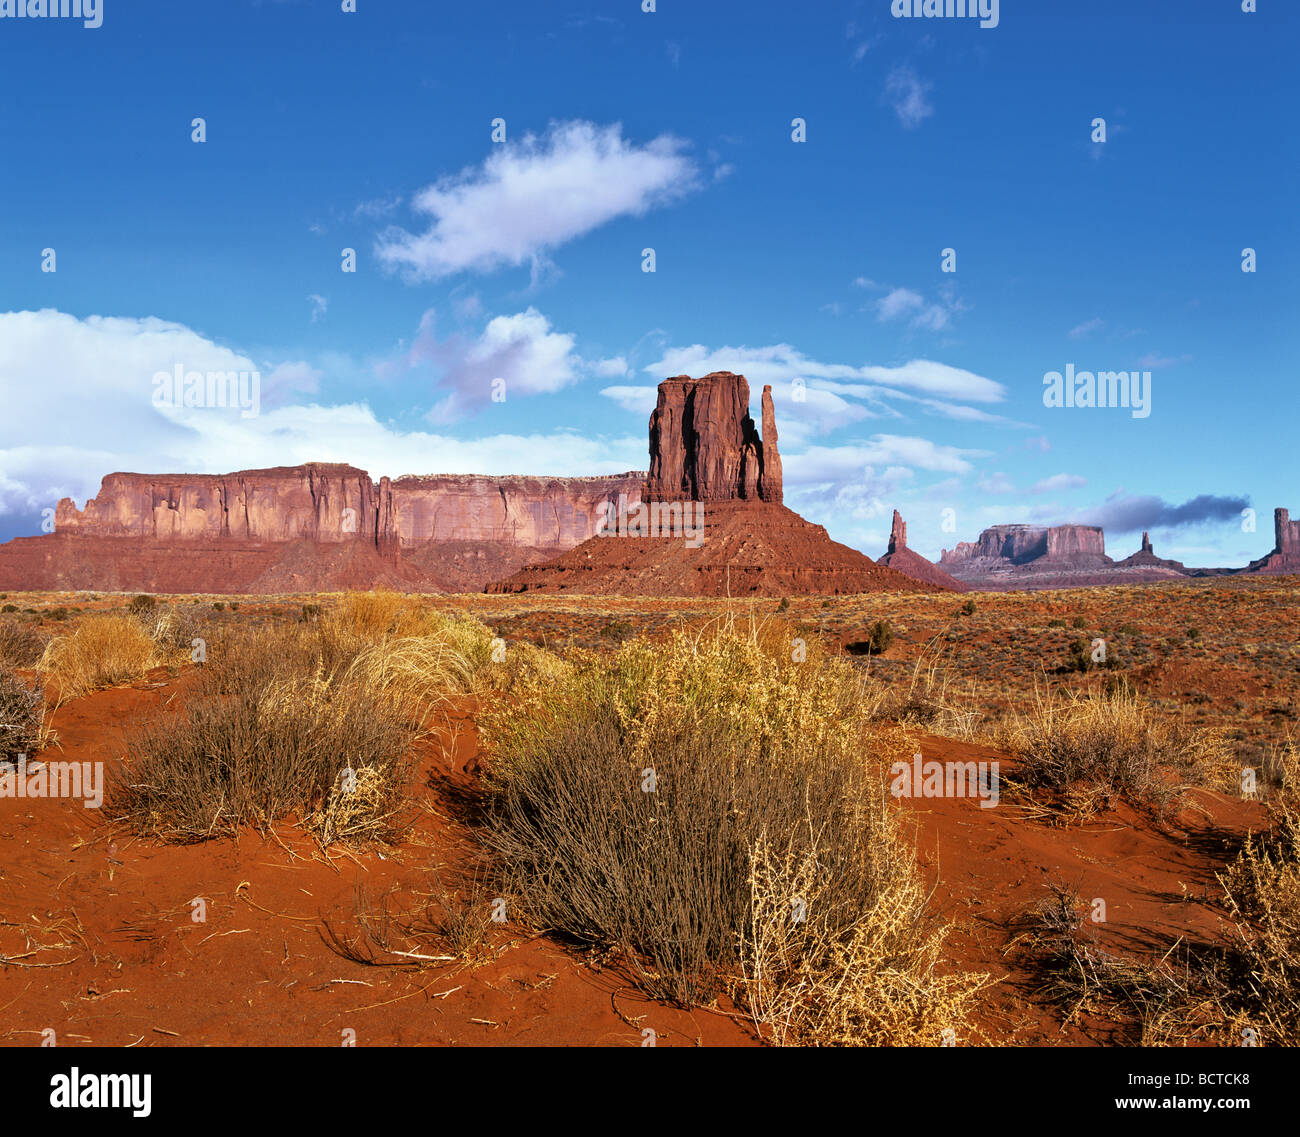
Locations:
{"points": [[908, 94]]}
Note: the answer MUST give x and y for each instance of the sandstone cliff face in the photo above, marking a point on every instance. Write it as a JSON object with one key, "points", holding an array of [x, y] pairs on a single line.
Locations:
{"points": [[317, 502], [1082, 545], [704, 445], [329, 504]]}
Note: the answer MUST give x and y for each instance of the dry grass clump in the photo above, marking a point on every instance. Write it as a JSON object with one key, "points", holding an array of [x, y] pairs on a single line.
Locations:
{"points": [[1262, 889], [931, 700], [22, 717], [705, 805], [308, 720], [1181, 996], [418, 926], [103, 650], [1078, 754], [21, 644], [310, 746]]}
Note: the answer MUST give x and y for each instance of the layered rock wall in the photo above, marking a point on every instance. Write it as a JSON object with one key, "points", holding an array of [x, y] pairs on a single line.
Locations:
{"points": [[328, 504]]}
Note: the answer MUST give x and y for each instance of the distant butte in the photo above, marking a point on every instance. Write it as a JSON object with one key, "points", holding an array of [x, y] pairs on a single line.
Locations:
{"points": [[912, 564]]}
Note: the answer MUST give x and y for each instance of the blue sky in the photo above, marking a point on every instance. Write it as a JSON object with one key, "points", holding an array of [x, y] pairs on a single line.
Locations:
{"points": [[817, 261]]}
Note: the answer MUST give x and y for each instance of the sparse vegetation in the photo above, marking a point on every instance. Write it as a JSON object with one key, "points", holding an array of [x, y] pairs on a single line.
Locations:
{"points": [[1081, 754], [21, 644], [717, 820], [22, 717]]}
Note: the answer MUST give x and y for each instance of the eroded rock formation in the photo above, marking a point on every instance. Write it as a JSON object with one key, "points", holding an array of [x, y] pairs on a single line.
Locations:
{"points": [[705, 447], [1285, 557], [911, 563], [316, 526]]}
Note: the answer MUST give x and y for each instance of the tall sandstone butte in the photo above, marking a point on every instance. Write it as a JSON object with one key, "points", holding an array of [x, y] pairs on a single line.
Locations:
{"points": [[1285, 557], [705, 447]]}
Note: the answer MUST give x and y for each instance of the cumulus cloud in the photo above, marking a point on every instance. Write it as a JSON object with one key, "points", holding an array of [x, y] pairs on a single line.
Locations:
{"points": [[908, 94], [521, 351], [533, 195]]}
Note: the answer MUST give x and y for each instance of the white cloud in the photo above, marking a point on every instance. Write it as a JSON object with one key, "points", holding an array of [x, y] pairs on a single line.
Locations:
{"points": [[839, 463], [897, 303], [521, 349], [637, 400], [533, 195], [907, 93], [319, 306], [996, 483], [781, 363], [614, 368], [1080, 331], [79, 405]]}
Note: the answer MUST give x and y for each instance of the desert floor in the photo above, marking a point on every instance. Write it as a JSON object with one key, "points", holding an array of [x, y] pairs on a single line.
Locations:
{"points": [[99, 941]]}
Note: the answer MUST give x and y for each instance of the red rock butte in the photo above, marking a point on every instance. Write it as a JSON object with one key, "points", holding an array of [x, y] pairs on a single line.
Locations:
{"points": [[911, 563], [705, 452]]}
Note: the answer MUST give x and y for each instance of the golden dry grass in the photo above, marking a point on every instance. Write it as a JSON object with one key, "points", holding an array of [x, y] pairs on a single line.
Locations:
{"points": [[101, 651]]}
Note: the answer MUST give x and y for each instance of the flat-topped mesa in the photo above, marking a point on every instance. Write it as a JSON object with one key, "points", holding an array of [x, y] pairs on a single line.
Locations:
{"points": [[705, 447], [1083, 545], [329, 503]]}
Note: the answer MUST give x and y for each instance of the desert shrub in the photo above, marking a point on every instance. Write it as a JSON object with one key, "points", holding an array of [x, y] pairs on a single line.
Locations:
{"points": [[878, 640], [100, 651], [21, 644], [141, 604], [56, 614], [616, 630], [1262, 889], [173, 629], [967, 609], [302, 720], [219, 605], [9, 608], [705, 805], [327, 753], [1087, 752], [310, 612], [22, 717], [1079, 622]]}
